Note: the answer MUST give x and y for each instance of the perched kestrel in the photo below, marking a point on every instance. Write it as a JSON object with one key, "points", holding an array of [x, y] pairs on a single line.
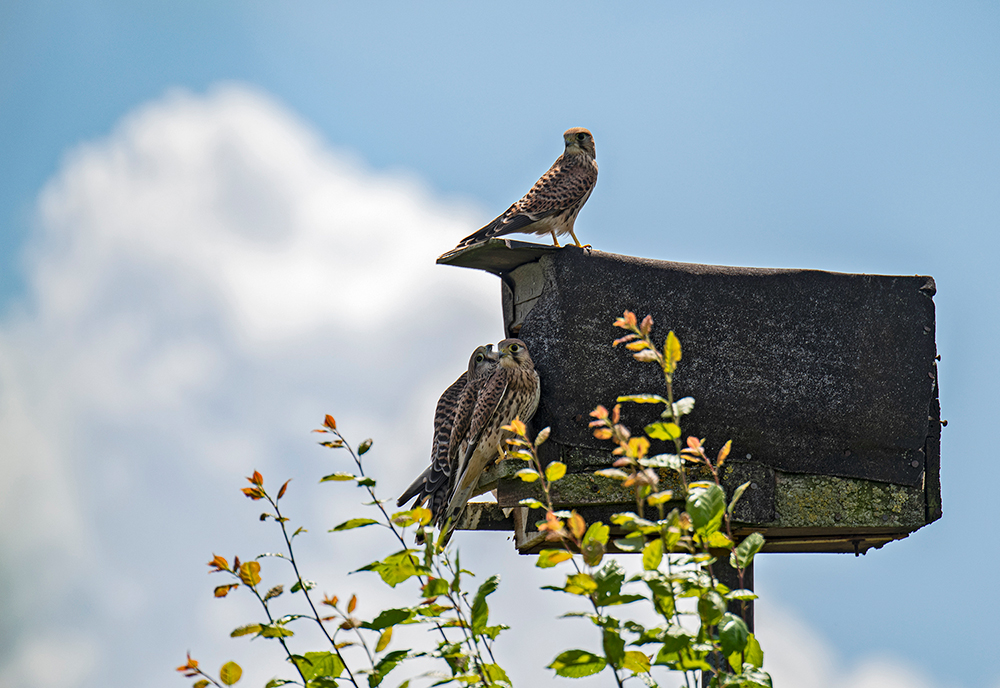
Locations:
{"points": [[511, 391], [552, 204], [435, 482]]}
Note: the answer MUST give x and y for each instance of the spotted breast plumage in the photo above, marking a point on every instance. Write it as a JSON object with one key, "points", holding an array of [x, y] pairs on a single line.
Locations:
{"points": [[552, 204], [434, 484], [511, 391]]}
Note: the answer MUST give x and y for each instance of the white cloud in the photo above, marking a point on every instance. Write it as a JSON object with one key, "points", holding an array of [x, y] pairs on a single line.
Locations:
{"points": [[205, 283]]}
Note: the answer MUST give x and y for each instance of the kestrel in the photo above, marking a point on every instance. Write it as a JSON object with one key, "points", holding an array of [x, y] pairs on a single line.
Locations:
{"points": [[552, 204], [511, 391], [434, 483]]}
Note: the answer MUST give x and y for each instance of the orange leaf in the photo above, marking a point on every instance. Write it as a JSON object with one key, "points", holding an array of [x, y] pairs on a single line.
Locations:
{"points": [[577, 525], [694, 443], [724, 452], [218, 563], [281, 492], [647, 324], [599, 412], [616, 413], [223, 590], [330, 422], [191, 664], [257, 479], [330, 601], [622, 340], [236, 563], [352, 604], [253, 493], [602, 434]]}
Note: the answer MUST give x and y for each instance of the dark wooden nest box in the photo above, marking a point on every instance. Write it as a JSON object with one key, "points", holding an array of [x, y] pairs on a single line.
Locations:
{"points": [[825, 382]]}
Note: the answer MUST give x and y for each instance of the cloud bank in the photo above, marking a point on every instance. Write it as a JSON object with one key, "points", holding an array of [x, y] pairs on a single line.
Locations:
{"points": [[205, 283]]}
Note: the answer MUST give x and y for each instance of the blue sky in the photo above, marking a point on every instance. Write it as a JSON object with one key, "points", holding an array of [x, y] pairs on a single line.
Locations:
{"points": [[854, 138]]}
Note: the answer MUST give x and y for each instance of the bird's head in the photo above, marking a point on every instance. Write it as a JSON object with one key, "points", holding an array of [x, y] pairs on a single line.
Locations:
{"points": [[514, 354], [483, 359], [579, 140]]}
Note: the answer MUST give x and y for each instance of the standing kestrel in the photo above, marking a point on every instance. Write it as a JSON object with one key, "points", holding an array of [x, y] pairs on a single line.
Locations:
{"points": [[511, 391], [552, 204], [434, 484]]}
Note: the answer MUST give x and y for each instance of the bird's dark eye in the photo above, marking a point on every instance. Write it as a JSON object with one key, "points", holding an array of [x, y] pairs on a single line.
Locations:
{"points": [[581, 136], [514, 347], [479, 357]]}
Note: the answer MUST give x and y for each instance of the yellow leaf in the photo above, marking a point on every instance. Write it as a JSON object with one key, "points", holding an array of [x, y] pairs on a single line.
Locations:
{"points": [[554, 471], [230, 673], [250, 573], [672, 349], [527, 475], [383, 640]]}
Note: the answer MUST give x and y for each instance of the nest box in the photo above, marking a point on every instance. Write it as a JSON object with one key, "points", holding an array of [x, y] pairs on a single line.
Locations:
{"points": [[826, 383]]}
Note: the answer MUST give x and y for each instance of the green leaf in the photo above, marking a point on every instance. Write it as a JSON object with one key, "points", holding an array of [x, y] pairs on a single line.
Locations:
{"points": [[366, 482], [652, 554], [577, 664], [706, 503], [435, 587], [753, 654], [637, 662], [385, 665], [733, 634], [364, 446], [737, 493], [338, 476], [642, 399], [675, 639], [554, 471], [717, 540], [663, 430], [480, 610], [494, 631], [307, 584], [528, 475], [354, 523], [531, 503], [316, 665], [230, 673], [752, 677], [548, 558], [741, 594], [245, 630], [276, 682], [396, 568], [614, 647], [744, 553], [275, 631], [632, 543], [388, 618], [711, 607], [495, 675], [597, 531], [609, 579]]}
